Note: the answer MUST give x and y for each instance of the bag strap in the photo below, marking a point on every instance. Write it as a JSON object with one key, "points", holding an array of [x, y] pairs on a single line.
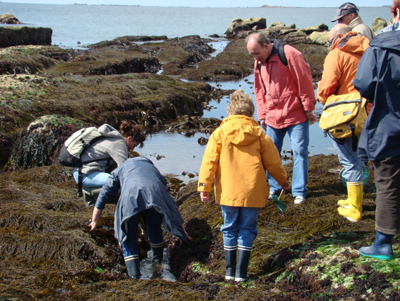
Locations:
{"points": [[282, 56], [337, 140], [281, 52], [354, 140], [79, 192]]}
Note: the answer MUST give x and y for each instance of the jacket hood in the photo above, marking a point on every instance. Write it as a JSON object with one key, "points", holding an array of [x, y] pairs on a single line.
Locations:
{"points": [[108, 131], [241, 130], [353, 42], [388, 40]]}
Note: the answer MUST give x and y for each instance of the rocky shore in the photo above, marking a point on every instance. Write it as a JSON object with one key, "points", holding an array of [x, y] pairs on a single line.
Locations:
{"points": [[46, 251]]}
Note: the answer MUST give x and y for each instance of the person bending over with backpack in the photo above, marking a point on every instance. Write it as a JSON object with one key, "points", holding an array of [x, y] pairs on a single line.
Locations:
{"points": [[143, 190], [340, 67], [108, 152]]}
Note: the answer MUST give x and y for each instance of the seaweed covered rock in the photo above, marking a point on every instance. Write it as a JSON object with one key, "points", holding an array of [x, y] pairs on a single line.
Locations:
{"points": [[148, 99], [40, 142], [231, 64], [108, 62], [378, 24], [126, 41], [9, 19], [246, 24], [31, 59], [22, 35]]}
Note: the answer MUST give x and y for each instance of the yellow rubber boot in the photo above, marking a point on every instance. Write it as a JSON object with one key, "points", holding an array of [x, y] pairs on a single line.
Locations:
{"points": [[344, 203], [355, 198]]}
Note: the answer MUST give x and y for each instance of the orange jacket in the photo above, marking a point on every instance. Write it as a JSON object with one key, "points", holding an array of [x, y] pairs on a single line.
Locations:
{"points": [[284, 93], [238, 153], [340, 66]]}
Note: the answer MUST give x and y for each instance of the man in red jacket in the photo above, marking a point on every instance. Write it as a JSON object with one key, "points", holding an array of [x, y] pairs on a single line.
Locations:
{"points": [[285, 100]]}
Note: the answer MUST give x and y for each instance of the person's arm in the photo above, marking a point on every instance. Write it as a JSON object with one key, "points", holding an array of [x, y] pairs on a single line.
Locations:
{"points": [[209, 164], [272, 161], [109, 189], [330, 77], [302, 77], [118, 151], [95, 218], [259, 93], [366, 76]]}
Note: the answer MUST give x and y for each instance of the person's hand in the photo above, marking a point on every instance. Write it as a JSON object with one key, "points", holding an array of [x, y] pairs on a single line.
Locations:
{"points": [[95, 218], [187, 235], [310, 116], [263, 124], [286, 186], [92, 226], [204, 196]]}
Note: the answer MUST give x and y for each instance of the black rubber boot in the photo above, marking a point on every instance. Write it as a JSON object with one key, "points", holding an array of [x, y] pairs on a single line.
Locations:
{"points": [[158, 254], [230, 259], [381, 249], [242, 265], [133, 267], [90, 195]]}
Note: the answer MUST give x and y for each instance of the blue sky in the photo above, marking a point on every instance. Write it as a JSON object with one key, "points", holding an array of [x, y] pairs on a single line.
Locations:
{"points": [[213, 3]]}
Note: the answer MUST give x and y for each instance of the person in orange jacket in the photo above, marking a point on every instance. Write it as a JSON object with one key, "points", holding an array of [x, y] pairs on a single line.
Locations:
{"points": [[340, 67], [238, 154]]}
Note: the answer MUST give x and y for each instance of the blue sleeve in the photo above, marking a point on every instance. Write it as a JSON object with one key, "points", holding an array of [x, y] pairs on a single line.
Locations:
{"points": [[366, 76], [109, 190]]}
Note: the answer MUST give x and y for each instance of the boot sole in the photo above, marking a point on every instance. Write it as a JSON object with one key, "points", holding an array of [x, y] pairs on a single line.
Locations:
{"points": [[387, 257], [350, 219], [240, 279]]}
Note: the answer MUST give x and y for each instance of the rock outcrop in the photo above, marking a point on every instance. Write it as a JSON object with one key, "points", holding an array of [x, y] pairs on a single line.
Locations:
{"points": [[238, 25], [22, 35], [9, 19], [378, 24]]}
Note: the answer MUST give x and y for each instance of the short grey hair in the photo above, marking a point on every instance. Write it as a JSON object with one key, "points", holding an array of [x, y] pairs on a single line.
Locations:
{"points": [[260, 37]]}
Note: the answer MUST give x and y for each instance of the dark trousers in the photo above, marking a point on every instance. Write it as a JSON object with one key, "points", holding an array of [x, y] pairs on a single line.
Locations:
{"points": [[387, 181], [153, 225]]}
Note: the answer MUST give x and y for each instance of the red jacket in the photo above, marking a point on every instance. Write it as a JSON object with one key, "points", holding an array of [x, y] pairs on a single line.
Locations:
{"points": [[290, 90]]}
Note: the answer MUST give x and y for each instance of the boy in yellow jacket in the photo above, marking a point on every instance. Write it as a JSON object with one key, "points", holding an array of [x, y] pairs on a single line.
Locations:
{"points": [[238, 154]]}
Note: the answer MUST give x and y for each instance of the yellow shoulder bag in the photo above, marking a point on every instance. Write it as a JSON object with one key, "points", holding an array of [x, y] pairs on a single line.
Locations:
{"points": [[344, 115]]}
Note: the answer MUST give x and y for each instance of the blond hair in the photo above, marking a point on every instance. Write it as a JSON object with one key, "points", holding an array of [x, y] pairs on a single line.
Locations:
{"points": [[241, 104]]}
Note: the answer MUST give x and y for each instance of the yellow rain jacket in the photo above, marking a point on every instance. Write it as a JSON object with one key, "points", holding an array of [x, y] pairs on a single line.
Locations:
{"points": [[238, 153]]}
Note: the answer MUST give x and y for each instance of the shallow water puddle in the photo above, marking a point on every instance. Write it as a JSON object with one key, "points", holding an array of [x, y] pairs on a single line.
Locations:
{"points": [[154, 270]]}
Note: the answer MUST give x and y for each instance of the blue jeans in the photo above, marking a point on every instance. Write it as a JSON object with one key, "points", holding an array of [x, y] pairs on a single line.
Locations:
{"points": [[299, 140], [352, 164], [153, 227], [94, 179], [240, 226]]}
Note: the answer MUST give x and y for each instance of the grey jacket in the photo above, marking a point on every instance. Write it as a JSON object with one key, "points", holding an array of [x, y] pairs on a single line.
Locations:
{"points": [[108, 150], [142, 187], [357, 25]]}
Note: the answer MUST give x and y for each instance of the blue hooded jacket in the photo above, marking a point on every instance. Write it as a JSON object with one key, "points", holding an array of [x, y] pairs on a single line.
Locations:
{"points": [[142, 187], [378, 80]]}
